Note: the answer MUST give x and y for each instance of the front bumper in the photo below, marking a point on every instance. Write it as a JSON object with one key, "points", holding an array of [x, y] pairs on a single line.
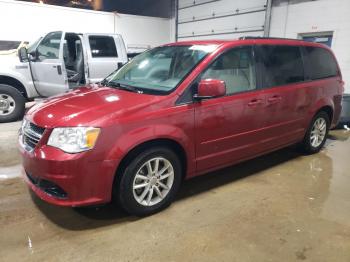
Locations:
{"points": [[68, 179]]}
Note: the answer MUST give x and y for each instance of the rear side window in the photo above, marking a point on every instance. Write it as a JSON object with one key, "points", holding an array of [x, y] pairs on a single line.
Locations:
{"points": [[320, 63], [281, 65], [102, 46]]}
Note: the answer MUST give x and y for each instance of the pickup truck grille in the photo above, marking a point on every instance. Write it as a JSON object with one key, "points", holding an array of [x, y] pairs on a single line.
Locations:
{"points": [[31, 135]]}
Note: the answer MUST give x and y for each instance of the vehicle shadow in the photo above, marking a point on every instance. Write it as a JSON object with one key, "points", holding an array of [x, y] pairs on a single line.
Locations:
{"points": [[77, 219]]}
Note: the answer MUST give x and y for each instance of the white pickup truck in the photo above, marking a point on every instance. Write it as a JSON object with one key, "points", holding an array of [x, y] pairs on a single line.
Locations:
{"points": [[54, 64]]}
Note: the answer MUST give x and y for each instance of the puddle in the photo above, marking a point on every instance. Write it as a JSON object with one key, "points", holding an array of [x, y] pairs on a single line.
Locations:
{"points": [[10, 172]]}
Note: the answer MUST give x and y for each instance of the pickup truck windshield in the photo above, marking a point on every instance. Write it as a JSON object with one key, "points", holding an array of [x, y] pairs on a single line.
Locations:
{"points": [[160, 69]]}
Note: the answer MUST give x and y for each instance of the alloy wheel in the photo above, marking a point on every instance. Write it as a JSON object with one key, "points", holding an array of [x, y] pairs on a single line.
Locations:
{"points": [[318, 132], [153, 181]]}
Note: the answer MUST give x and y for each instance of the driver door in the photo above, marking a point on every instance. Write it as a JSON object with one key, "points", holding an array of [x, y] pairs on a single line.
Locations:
{"points": [[229, 128], [49, 73]]}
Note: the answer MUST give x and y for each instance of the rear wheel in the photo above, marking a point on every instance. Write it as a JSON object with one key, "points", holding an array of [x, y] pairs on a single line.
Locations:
{"points": [[150, 182], [316, 135], [12, 104]]}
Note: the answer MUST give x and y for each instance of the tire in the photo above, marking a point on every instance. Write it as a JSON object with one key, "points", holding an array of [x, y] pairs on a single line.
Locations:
{"points": [[137, 201], [12, 104], [309, 145]]}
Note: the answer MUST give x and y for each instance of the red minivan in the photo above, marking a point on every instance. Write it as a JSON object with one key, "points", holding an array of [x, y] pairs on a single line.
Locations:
{"points": [[175, 112]]}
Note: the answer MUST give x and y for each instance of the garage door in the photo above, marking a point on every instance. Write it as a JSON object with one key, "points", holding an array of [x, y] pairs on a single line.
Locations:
{"points": [[220, 19]]}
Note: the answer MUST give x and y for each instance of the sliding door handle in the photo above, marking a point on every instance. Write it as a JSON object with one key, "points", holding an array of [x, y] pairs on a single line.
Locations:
{"points": [[255, 102], [274, 99]]}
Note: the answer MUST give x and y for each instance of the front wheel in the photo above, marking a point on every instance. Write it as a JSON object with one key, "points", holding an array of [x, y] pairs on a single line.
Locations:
{"points": [[316, 135], [150, 182], [12, 104]]}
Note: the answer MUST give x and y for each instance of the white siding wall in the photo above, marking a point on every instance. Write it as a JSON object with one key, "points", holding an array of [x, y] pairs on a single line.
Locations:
{"points": [[317, 16], [143, 31], [222, 19], [27, 21]]}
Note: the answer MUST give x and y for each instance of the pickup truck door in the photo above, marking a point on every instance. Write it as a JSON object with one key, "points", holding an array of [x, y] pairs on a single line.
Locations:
{"points": [[49, 73], [104, 52]]}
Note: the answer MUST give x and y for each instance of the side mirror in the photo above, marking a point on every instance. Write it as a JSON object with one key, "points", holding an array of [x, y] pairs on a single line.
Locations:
{"points": [[120, 65], [22, 54], [210, 88], [33, 56]]}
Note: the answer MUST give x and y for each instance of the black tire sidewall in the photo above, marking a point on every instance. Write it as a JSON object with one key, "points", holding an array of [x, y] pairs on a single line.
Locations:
{"points": [[125, 188], [308, 148], [19, 110]]}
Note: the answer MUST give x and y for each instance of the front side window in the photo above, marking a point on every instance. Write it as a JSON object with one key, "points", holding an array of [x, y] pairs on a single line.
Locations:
{"points": [[160, 69], [321, 63], [236, 67], [49, 47], [33, 45], [282, 65], [102, 46]]}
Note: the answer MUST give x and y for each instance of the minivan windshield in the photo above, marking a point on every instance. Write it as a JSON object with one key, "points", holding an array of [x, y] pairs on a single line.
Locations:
{"points": [[160, 69]]}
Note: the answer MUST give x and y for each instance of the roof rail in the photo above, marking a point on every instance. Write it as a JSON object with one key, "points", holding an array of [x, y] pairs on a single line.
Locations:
{"points": [[264, 37]]}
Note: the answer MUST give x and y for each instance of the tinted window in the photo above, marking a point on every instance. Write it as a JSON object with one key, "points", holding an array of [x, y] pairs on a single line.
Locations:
{"points": [[49, 47], [282, 65], [102, 46], [236, 67], [321, 63]]}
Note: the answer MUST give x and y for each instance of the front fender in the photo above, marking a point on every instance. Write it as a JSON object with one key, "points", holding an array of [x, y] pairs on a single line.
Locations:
{"points": [[135, 137], [21, 73]]}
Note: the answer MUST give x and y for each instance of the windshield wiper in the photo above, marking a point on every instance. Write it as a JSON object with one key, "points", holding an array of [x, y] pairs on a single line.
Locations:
{"points": [[103, 82], [122, 86]]}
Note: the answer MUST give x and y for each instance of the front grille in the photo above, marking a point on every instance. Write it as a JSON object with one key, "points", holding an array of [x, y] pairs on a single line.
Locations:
{"points": [[31, 135], [48, 187]]}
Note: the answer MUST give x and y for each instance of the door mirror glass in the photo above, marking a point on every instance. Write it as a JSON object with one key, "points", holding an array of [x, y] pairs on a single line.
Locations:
{"points": [[210, 88], [22, 54]]}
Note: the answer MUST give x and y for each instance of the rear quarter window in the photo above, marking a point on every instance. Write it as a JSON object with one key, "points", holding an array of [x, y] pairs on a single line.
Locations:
{"points": [[102, 46], [320, 63]]}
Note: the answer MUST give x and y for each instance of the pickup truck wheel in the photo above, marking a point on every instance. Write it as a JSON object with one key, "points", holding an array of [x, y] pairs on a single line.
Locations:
{"points": [[316, 134], [12, 104], [150, 182]]}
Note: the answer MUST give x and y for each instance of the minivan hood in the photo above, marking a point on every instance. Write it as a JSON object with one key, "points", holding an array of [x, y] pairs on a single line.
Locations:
{"points": [[90, 106]]}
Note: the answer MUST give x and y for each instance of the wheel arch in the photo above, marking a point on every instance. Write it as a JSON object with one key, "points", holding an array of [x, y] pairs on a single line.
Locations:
{"points": [[329, 110], [11, 81], [163, 142]]}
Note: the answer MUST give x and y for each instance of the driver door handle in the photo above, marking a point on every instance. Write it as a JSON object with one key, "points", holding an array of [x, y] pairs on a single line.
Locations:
{"points": [[59, 69]]}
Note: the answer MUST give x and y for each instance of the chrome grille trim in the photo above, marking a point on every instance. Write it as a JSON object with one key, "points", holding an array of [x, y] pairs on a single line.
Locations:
{"points": [[30, 135]]}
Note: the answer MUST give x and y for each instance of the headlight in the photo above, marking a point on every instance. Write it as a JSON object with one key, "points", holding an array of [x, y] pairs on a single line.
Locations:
{"points": [[74, 139]]}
